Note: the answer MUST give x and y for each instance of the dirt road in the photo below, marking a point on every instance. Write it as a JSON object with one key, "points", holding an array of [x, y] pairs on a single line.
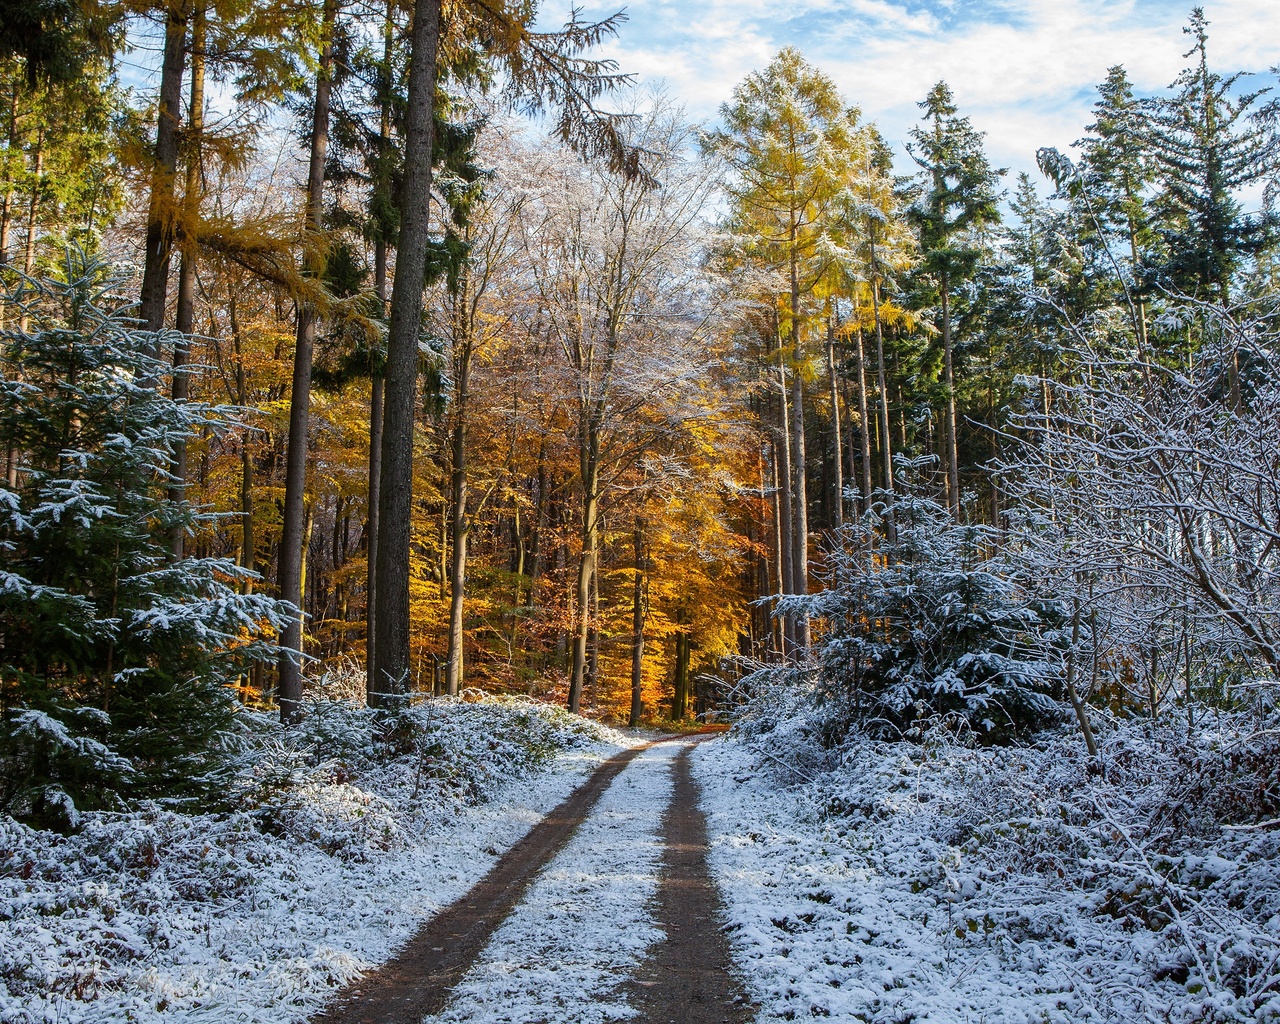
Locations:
{"points": [[606, 905]]}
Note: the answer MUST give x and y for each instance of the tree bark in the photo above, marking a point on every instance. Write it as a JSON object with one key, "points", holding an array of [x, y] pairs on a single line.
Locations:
{"points": [[948, 377], [461, 526], [294, 531], [160, 209], [865, 425], [391, 639], [637, 627], [185, 313], [837, 508], [680, 696], [376, 398]]}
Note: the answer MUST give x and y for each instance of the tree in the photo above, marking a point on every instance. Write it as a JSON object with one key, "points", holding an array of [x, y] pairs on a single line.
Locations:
{"points": [[610, 261], [958, 196], [787, 136], [115, 662], [1206, 149], [540, 68], [930, 625]]}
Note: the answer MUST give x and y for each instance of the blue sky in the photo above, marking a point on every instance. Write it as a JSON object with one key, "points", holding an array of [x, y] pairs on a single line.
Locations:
{"points": [[1024, 71]]}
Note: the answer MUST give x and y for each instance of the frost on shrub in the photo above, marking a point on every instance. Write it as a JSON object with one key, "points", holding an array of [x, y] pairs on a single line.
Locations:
{"points": [[921, 622], [94, 612]]}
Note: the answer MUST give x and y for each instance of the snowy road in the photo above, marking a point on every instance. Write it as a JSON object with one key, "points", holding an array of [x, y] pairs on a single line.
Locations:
{"points": [[615, 918]]}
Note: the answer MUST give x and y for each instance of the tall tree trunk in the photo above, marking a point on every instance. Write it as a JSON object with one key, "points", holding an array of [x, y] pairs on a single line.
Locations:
{"points": [[247, 555], [185, 313], [461, 526], [680, 696], [586, 570], [886, 444], [864, 430], [948, 378], [6, 207], [837, 508], [376, 392], [637, 627], [293, 537], [395, 498], [160, 209], [799, 471], [782, 460]]}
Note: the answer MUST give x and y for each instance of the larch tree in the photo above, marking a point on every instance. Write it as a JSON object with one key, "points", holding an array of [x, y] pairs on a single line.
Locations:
{"points": [[787, 135]]}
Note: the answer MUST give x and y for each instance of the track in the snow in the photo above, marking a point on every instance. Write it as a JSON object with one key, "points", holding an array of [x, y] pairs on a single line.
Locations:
{"points": [[685, 978], [688, 978], [418, 980]]}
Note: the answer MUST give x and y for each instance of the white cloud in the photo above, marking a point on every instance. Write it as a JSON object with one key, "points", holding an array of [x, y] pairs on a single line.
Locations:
{"points": [[1023, 70]]}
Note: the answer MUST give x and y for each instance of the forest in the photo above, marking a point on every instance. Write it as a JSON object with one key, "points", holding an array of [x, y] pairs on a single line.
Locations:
{"points": [[356, 354]]}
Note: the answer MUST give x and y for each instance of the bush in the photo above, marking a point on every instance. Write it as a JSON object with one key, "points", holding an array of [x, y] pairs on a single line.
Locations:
{"points": [[921, 623]]}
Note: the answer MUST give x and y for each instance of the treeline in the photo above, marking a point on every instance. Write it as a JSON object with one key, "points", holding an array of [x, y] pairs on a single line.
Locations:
{"points": [[587, 416]]}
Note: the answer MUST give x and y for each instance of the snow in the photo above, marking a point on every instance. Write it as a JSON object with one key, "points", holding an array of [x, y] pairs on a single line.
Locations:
{"points": [[963, 885], [260, 914], [584, 925]]}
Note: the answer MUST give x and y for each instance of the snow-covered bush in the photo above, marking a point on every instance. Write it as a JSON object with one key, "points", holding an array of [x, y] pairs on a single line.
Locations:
{"points": [[115, 659], [337, 842], [923, 622], [1140, 884]]}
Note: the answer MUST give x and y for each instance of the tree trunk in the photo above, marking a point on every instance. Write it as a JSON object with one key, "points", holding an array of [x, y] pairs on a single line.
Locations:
{"points": [[185, 313], [376, 400], [637, 627], [886, 445], [458, 492], [247, 554], [6, 207], [865, 425], [680, 696], [293, 529], [391, 640], [948, 377], [837, 509], [586, 576], [782, 460], [160, 209]]}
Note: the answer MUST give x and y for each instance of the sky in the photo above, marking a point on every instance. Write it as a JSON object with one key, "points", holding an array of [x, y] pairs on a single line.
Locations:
{"points": [[1024, 71]]}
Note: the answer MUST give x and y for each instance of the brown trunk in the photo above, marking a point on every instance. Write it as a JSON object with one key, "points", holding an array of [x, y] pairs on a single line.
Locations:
{"points": [[185, 313], [458, 492], [395, 498], [637, 627], [864, 419], [948, 379], [376, 399], [296, 514], [837, 448], [160, 211]]}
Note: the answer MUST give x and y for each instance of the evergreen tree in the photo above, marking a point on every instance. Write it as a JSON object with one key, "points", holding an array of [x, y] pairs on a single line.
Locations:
{"points": [[1207, 147], [116, 662], [959, 193]]}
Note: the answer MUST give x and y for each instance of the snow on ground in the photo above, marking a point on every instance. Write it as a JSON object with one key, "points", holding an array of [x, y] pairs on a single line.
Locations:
{"points": [[902, 882], [258, 915], [828, 929], [583, 926]]}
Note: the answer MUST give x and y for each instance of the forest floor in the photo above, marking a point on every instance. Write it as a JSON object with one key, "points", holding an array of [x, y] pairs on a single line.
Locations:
{"points": [[628, 877]]}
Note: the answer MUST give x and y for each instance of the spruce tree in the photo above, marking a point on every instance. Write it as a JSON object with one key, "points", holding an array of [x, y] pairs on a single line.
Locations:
{"points": [[116, 661], [1207, 146], [958, 196]]}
